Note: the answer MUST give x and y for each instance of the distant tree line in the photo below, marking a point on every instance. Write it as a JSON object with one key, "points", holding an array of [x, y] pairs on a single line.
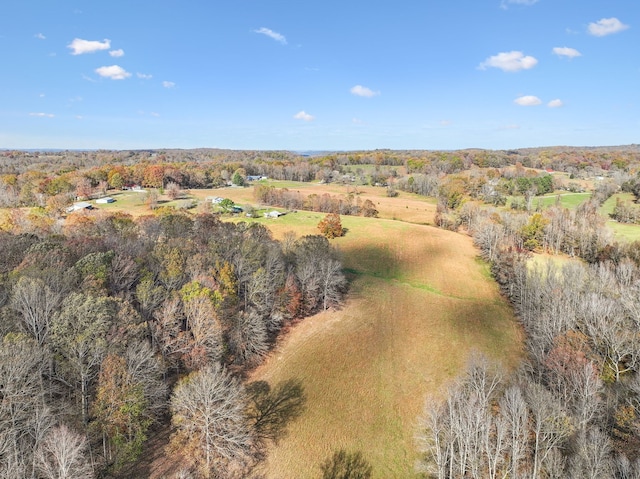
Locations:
{"points": [[46, 178]]}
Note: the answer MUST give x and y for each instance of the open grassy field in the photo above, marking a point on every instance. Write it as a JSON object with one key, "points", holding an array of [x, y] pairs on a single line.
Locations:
{"points": [[567, 200], [621, 231], [406, 207], [420, 301]]}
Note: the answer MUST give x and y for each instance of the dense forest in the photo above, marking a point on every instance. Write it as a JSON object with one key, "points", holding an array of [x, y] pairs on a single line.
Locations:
{"points": [[113, 326]]}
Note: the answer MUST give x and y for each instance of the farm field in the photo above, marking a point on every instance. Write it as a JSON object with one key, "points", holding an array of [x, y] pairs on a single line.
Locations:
{"points": [[407, 206], [420, 302]]}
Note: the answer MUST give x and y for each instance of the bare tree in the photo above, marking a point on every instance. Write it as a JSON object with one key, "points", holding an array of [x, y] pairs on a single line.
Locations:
{"points": [[35, 302], [550, 429], [248, 338], [592, 457], [208, 411], [514, 410], [612, 332], [147, 371], [62, 455], [24, 417]]}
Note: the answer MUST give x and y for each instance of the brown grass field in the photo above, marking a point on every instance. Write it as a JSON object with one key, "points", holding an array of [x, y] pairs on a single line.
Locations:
{"points": [[420, 302]]}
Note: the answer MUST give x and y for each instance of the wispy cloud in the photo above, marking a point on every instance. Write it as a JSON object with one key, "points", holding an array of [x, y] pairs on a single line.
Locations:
{"points": [[79, 46], [505, 3], [527, 100], [144, 76], [360, 90], [606, 26], [115, 72], [271, 34], [566, 52], [40, 36], [303, 115], [42, 115], [168, 84], [557, 103], [117, 53], [509, 62]]}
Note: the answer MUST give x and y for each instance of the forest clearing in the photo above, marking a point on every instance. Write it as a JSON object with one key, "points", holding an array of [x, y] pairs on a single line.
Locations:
{"points": [[419, 304]]}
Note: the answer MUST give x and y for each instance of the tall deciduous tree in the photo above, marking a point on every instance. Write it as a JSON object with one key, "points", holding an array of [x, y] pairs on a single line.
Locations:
{"points": [[208, 408], [35, 302], [79, 336], [121, 411], [63, 455]]}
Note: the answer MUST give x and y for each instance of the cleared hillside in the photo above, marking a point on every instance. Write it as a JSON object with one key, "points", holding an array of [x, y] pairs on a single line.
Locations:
{"points": [[420, 302]]}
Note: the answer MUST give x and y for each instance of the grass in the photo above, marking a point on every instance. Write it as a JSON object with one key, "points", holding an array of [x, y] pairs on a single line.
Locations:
{"points": [[567, 200], [420, 302], [621, 231]]}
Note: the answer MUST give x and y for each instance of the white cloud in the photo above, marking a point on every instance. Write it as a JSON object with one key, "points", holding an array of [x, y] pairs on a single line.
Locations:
{"points": [[40, 36], [80, 46], [360, 90], [567, 52], [271, 34], [114, 72], [168, 84], [445, 122], [509, 62], [144, 76], [527, 100], [117, 53], [606, 26], [302, 115], [557, 103], [505, 3], [42, 115]]}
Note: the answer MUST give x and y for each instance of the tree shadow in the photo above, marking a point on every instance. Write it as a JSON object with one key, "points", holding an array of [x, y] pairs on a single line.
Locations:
{"points": [[272, 409]]}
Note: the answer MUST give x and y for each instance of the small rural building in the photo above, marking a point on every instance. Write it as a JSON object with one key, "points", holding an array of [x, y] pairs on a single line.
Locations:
{"points": [[105, 200], [273, 214], [81, 205]]}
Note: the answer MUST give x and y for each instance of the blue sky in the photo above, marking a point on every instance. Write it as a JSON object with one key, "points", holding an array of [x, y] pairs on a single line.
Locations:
{"points": [[330, 75]]}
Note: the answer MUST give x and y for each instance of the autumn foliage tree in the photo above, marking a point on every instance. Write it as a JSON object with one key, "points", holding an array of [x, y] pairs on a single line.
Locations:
{"points": [[331, 226], [120, 410]]}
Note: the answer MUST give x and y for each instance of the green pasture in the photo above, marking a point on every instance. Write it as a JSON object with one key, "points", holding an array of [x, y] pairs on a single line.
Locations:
{"points": [[566, 200], [621, 231]]}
